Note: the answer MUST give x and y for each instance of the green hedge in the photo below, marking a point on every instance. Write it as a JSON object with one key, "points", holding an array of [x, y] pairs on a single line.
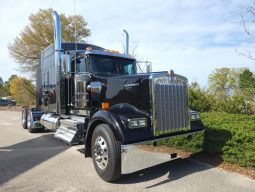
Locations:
{"points": [[192, 143], [231, 136]]}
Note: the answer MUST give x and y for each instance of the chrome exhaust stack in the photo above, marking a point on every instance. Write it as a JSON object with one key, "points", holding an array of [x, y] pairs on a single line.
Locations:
{"points": [[127, 42], [57, 49], [57, 31]]}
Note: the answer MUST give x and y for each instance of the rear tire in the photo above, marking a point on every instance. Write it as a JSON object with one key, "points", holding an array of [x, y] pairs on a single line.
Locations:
{"points": [[30, 122], [105, 150], [24, 118]]}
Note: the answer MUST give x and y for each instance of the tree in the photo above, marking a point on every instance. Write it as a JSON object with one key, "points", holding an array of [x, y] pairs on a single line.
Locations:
{"points": [[246, 80], [1, 82], [247, 84], [22, 90], [235, 104], [7, 84], [39, 34], [223, 82], [199, 100], [247, 20], [226, 96], [1, 86]]}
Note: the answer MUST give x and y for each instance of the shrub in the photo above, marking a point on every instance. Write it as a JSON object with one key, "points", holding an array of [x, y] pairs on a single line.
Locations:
{"points": [[236, 141], [233, 105], [198, 98], [231, 136], [192, 143], [240, 148]]}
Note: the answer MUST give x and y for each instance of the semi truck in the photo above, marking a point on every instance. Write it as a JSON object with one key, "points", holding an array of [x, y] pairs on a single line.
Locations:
{"points": [[94, 96]]}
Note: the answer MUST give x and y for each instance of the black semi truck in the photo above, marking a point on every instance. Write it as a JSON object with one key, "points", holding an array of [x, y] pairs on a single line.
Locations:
{"points": [[91, 95]]}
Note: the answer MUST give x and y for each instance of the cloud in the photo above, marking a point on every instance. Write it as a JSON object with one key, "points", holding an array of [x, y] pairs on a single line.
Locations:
{"points": [[196, 64], [192, 37]]}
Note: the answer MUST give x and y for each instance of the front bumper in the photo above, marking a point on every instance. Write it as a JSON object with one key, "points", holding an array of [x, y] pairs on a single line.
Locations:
{"points": [[135, 157]]}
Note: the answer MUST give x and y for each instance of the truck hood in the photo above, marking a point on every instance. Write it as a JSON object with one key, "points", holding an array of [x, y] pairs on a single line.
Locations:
{"points": [[132, 89]]}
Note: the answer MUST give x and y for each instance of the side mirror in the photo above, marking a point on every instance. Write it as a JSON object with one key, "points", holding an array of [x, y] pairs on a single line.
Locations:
{"points": [[66, 63]]}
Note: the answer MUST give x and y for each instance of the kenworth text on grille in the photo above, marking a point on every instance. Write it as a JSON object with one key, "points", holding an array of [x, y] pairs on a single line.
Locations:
{"points": [[90, 95]]}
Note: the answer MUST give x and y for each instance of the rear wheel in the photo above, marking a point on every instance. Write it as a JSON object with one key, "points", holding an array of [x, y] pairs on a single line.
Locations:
{"points": [[105, 150], [30, 122], [24, 118]]}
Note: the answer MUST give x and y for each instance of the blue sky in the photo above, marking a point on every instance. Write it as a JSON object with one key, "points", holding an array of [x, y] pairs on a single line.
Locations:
{"points": [[190, 37]]}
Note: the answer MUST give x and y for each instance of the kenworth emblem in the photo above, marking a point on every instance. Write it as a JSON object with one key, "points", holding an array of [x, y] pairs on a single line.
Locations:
{"points": [[131, 85]]}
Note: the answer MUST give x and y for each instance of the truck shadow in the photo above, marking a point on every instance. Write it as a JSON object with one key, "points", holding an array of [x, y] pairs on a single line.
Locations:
{"points": [[19, 158]]}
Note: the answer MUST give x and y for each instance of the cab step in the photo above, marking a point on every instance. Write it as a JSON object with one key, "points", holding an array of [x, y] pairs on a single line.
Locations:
{"points": [[70, 131]]}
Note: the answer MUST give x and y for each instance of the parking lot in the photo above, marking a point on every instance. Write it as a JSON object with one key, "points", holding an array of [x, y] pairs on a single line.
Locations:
{"points": [[39, 162]]}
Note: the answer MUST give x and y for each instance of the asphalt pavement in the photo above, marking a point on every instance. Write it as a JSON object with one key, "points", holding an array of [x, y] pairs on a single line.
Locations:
{"points": [[39, 162]]}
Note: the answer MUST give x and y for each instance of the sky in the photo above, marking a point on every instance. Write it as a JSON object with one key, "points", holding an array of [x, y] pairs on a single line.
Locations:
{"points": [[190, 37]]}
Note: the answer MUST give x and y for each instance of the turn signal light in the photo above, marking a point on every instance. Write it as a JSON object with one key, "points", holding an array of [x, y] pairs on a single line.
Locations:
{"points": [[112, 51], [105, 105]]}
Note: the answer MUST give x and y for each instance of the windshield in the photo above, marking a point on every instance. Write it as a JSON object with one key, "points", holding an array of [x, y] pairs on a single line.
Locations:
{"points": [[112, 65]]}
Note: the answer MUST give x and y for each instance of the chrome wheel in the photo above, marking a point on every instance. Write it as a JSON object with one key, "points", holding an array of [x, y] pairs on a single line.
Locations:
{"points": [[106, 153], [101, 152]]}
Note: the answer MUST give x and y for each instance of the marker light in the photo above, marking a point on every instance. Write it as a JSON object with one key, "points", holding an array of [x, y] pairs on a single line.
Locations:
{"points": [[105, 105], [112, 51], [89, 49]]}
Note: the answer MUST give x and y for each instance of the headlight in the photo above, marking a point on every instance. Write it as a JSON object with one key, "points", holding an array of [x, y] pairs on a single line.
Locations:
{"points": [[137, 123], [194, 116]]}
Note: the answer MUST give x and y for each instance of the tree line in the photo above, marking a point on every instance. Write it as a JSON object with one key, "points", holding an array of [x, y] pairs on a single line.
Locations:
{"points": [[19, 88], [229, 90]]}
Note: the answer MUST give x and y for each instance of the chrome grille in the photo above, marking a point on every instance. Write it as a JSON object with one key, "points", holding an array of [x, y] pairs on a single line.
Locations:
{"points": [[170, 105]]}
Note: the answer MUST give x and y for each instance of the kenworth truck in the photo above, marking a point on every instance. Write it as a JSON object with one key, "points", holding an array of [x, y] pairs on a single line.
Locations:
{"points": [[91, 95]]}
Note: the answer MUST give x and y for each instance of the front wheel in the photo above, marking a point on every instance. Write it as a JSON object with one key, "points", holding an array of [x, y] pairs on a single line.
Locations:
{"points": [[105, 150]]}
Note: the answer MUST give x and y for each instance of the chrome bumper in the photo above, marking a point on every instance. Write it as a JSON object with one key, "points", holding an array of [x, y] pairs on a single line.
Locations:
{"points": [[135, 158]]}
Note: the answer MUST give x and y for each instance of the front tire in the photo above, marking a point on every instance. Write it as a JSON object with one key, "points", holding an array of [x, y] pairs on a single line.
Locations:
{"points": [[105, 150]]}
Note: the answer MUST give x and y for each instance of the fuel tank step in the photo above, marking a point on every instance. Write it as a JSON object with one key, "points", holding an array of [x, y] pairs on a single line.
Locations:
{"points": [[70, 131]]}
